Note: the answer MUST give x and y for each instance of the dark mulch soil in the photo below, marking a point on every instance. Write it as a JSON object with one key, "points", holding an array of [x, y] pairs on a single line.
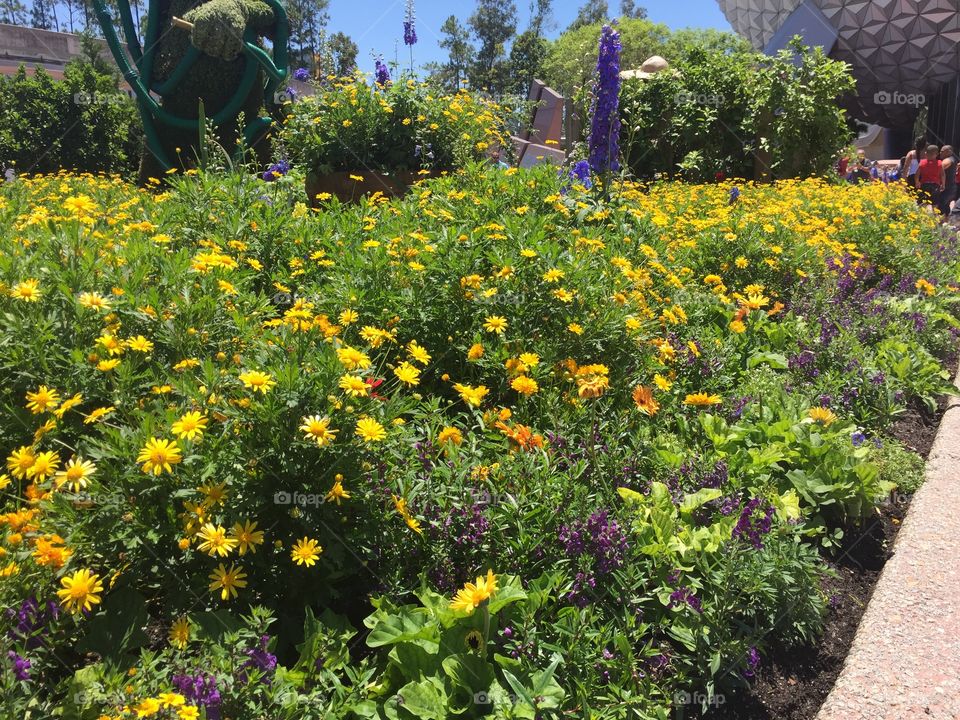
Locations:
{"points": [[792, 683]]}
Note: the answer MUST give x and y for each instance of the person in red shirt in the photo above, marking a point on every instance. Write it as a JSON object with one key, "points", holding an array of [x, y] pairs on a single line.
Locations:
{"points": [[931, 177]]}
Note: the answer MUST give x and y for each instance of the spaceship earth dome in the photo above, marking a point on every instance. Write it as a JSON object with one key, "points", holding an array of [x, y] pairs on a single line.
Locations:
{"points": [[901, 51]]}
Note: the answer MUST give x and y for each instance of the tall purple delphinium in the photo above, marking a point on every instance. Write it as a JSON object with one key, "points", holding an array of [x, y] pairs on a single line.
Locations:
{"points": [[381, 74], [21, 666], [605, 121], [410, 30], [409, 25]]}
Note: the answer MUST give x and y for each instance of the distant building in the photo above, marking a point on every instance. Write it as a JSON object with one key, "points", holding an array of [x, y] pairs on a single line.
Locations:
{"points": [[34, 48], [905, 55]]}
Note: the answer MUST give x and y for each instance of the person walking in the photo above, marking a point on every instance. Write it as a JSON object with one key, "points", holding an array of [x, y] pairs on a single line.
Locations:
{"points": [[930, 178], [911, 163], [948, 197]]}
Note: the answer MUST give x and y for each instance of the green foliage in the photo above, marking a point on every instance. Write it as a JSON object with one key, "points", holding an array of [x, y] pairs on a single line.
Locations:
{"points": [[572, 57], [401, 127], [736, 114], [84, 122]]}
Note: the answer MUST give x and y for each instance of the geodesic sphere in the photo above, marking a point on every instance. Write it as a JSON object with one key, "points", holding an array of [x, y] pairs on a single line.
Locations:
{"points": [[901, 51]]}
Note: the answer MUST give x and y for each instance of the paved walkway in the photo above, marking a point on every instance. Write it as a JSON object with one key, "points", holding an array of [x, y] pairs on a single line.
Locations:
{"points": [[905, 659]]}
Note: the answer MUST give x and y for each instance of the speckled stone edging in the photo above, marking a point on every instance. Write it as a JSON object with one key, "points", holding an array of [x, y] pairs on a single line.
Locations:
{"points": [[905, 659]]}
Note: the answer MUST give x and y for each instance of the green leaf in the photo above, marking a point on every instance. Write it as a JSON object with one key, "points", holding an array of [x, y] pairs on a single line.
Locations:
{"points": [[424, 699], [509, 592], [774, 360], [119, 627], [408, 624]]}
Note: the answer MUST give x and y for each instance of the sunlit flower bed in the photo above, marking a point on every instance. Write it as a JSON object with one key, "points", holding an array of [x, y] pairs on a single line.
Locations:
{"points": [[498, 448]]}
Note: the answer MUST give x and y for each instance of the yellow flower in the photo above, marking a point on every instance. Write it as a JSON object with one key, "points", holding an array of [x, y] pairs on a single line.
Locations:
{"points": [[553, 275], [93, 301], [741, 262], [353, 359], [159, 455], [643, 399], [475, 352], [97, 414], [337, 493], [702, 400], [354, 386], [227, 581], [524, 385], [472, 595], [215, 540], [190, 425], [318, 429], [530, 359], [139, 344], [180, 633], [171, 699], [472, 396], [418, 353], [822, 415], [575, 328], [306, 552], [68, 404], [80, 591], [450, 435], [147, 707], [661, 382], [108, 365], [44, 465], [738, 327], [369, 430], [80, 205], [495, 324], [188, 712], [42, 400], [247, 537], [20, 461], [407, 373], [257, 381], [28, 290], [75, 474]]}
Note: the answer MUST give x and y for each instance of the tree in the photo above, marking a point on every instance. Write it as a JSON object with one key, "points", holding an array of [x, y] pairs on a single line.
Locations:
{"points": [[13, 12], [456, 41], [629, 9], [307, 20], [493, 23], [540, 16], [344, 51], [595, 11], [526, 59], [43, 15]]}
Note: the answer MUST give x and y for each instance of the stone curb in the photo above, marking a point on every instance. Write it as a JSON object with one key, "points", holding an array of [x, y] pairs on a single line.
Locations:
{"points": [[905, 658]]}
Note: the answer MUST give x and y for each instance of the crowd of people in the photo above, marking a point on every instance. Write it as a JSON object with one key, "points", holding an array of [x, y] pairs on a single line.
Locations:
{"points": [[930, 170]]}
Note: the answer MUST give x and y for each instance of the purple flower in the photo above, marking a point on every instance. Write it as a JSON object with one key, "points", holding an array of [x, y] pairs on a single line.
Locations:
{"points": [[381, 73], [409, 28], [682, 595], [21, 666], [752, 528], [858, 438], [599, 540], [200, 689], [301, 74], [277, 170], [605, 122], [753, 661], [734, 195], [259, 658], [580, 173]]}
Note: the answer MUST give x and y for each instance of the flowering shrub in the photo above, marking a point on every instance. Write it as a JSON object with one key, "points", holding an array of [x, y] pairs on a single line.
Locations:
{"points": [[490, 449], [399, 126]]}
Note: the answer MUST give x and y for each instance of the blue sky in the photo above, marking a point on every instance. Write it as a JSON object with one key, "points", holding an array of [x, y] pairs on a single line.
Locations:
{"points": [[377, 27]]}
